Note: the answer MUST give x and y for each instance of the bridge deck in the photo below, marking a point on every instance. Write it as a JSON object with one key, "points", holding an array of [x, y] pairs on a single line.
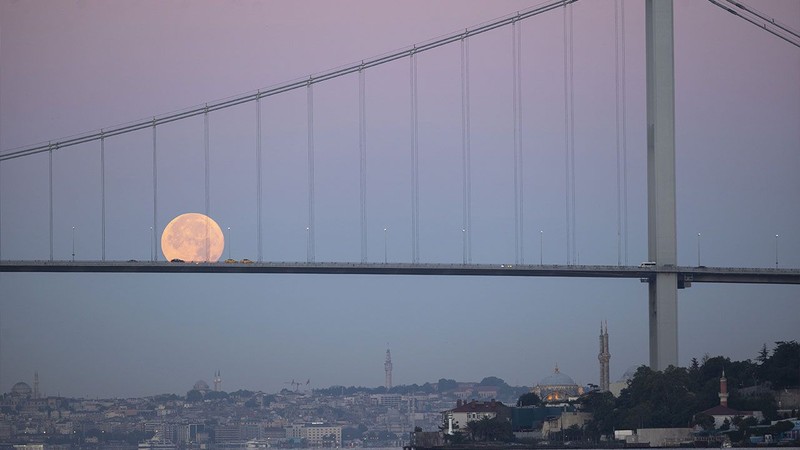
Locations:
{"points": [[686, 274]]}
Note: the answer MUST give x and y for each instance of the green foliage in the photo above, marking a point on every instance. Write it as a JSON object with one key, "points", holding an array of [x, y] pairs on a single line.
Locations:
{"points": [[216, 395], [194, 396], [242, 393], [780, 368], [674, 397], [445, 385], [658, 399], [494, 429], [705, 421], [602, 406], [493, 381]]}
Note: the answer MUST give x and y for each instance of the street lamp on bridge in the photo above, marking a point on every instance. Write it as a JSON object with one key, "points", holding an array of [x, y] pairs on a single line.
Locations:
{"points": [[776, 251]]}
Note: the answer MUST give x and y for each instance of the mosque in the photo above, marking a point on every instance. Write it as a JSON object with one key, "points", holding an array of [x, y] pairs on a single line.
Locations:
{"points": [[557, 387], [560, 387]]}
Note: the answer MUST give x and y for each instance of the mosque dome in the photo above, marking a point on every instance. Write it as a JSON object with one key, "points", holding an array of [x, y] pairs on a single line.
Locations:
{"points": [[201, 386], [557, 387], [628, 375], [21, 389], [557, 379]]}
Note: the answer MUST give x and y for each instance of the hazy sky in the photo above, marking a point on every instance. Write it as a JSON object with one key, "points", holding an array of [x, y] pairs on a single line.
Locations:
{"points": [[74, 66]]}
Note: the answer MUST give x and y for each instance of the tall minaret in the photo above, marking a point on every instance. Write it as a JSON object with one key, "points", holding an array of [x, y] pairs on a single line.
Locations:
{"points": [[217, 381], [604, 357], [723, 390], [387, 366], [36, 384]]}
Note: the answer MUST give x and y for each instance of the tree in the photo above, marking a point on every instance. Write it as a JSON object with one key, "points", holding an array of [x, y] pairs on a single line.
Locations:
{"points": [[704, 421], [529, 399], [763, 354], [445, 385], [604, 414], [657, 399], [194, 396], [493, 381], [216, 395], [494, 429], [780, 369]]}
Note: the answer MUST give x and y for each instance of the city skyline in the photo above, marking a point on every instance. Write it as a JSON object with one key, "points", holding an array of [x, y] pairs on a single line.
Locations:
{"points": [[78, 66]]}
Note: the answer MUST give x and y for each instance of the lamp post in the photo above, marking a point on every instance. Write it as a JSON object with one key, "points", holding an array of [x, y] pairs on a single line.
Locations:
{"points": [[385, 246], [152, 244], [230, 242], [541, 247], [308, 244], [698, 249], [776, 251], [73, 245], [464, 244]]}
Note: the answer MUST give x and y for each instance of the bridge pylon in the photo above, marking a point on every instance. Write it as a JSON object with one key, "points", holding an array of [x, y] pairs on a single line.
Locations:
{"points": [[662, 230]]}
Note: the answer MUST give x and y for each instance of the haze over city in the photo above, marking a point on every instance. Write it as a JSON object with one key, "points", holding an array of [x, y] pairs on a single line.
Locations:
{"points": [[71, 67]]}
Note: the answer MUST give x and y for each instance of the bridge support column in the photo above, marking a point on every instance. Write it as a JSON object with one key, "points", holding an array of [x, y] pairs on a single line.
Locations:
{"points": [[662, 240]]}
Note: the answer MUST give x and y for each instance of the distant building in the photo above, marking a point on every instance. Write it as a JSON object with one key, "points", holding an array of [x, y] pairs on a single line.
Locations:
{"points": [[390, 400], [604, 357], [616, 387], [722, 412], [486, 392], [565, 420], [316, 434], [201, 386], [457, 418], [21, 390], [556, 388]]}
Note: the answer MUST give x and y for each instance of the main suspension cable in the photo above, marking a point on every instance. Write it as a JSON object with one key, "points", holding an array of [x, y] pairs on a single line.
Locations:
{"points": [[287, 86]]}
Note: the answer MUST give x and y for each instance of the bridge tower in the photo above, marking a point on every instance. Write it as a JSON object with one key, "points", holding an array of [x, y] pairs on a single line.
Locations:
{"points": [[661, 232]]}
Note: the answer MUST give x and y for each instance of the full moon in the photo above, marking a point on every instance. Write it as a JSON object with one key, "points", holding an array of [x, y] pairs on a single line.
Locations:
{"points": [[192, 237]]}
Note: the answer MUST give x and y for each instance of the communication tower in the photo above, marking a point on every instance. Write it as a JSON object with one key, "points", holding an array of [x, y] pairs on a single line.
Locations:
{"points": [[387, 366]]}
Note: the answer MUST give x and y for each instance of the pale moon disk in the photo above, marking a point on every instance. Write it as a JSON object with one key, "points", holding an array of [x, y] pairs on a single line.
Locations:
{"points": [[192, 237]]}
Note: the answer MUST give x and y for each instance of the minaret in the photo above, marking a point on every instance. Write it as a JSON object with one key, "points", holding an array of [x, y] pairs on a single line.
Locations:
{"points": [[36, 384], [723, 390], [217, 381], [604, 357], [387, 366]]}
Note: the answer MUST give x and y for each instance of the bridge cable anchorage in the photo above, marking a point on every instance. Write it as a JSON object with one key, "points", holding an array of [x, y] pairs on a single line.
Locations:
{"points": [[761, 20], [258, 177], [174, 116], [155, 195], [102, 195], [465, 151], [311, 226], [362, 144]]}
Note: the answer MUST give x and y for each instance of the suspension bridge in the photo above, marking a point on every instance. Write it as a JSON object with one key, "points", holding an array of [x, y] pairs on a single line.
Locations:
{"points": [[661, 270]]}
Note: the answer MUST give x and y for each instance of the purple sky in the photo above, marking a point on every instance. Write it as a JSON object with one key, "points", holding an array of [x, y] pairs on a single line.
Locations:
{"points": [[70, 67]]}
